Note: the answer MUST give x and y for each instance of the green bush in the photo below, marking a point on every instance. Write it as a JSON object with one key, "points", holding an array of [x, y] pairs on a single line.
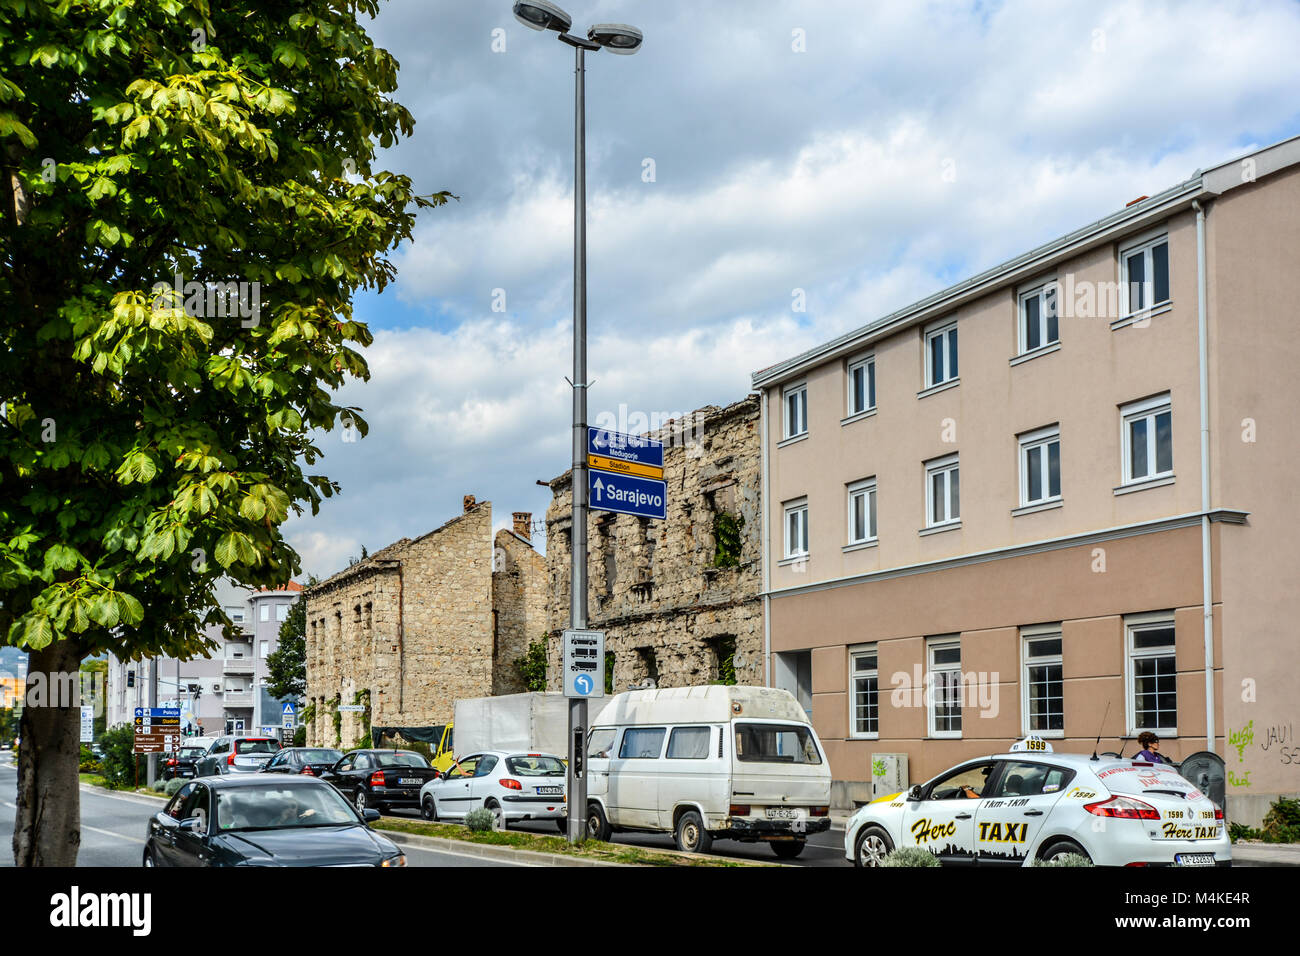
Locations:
{"points": [[300, 736], [1239, 831], [159, 785], [1282, 822], [480, 820], [1066, 859], [120, 764], [173, 785], [911, 856]]}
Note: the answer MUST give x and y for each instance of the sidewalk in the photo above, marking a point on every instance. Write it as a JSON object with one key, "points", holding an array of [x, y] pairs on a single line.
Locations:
{"points": [[1266, 854]]}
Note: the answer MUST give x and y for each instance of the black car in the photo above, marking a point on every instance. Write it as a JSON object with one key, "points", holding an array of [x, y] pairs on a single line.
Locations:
{"points": [[264, 820], [312, 761], [182, 763], [382, 779]]}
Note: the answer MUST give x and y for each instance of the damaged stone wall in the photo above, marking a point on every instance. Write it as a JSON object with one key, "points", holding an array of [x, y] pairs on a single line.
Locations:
{"points": [[417, 625], [673, 608]]}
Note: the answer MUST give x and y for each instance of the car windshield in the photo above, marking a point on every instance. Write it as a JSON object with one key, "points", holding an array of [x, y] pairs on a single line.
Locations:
{"points": [[258, 745], [400, 758], [776, 743], [1138, 778], [535, 765], [319, 756], [189, 752], [282, 807]]}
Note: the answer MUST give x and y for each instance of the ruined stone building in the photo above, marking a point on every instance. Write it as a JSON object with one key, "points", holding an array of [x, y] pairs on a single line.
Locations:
{"points": [[677, 599], [422, 623]]}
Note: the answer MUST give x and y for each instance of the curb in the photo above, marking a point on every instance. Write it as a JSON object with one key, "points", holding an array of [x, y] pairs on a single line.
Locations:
{"points": [[488, 851], [147, 798]]}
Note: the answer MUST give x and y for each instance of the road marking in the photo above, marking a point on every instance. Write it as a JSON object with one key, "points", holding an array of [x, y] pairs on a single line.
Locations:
{"points": [[120, 836], [469, 856]]}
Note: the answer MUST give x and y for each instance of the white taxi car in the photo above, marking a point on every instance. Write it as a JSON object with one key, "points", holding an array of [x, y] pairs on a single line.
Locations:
{"points": [[514, 786], [1033, 804]]}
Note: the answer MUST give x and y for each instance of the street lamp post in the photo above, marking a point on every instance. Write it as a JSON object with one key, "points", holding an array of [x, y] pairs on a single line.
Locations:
{"points": [[623, 39]]}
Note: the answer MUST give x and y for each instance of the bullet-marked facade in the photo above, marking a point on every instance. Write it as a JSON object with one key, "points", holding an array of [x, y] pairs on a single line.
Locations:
{"points": [[1032, 502]]}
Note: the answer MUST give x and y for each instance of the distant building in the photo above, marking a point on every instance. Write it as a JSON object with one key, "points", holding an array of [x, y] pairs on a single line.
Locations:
{"points": [[422, 623], [222, 693], [678, 599]]}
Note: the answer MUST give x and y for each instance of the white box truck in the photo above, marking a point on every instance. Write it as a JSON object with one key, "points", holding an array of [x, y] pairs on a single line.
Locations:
{"points": [[537, 722]]}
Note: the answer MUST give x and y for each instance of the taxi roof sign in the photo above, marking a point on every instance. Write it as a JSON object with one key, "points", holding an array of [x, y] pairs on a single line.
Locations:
{"points": [[1031, 744]]}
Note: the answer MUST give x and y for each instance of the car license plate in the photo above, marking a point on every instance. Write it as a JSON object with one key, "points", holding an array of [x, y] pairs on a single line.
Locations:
{"points": [[550, 791], [783, 813], [408, 781], [1194, 859]]}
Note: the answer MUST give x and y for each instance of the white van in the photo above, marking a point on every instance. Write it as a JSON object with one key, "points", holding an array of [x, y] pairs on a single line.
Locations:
{"points": [[738, 763]]}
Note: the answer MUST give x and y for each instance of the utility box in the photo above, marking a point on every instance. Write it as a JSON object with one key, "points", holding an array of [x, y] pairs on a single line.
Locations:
{"points": [[888, 775]]}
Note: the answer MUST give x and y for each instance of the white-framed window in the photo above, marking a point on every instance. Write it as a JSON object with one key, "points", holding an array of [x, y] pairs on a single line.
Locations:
{"points": [[266, 612], [865, 692], [862, 511], [794, 400], [236, 614], [862, 385], [941, 354], [1151, 674], [942, 492], [264, 648], [945, 687], [282, 612], [1039, 322], [1144, 273], [1148, 439], [1040, 465], [796, 528], [1042, 699]]}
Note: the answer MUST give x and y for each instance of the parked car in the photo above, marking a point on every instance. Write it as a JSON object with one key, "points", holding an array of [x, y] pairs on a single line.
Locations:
{"points": [[381, 779], [514, 786], [261, 820], [1034, 804], [311, 761], [236, 755], [182, 763], [706, 763]]}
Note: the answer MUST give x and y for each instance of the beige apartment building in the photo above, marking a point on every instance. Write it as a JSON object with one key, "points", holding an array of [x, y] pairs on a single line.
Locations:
{"points": [[1031, 502]]}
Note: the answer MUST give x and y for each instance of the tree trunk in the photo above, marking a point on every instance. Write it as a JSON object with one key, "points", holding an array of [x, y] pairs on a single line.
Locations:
{"points": [[47, 823]]}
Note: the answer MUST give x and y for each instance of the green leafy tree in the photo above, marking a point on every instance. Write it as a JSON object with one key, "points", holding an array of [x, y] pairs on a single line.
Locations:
{"points": [[287, 664], [153, 441], [532, 666]]}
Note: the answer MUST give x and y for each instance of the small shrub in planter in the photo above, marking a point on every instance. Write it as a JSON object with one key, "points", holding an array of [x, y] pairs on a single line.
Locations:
{"points": [[1066, 859], [1282, 822], [911, 856], [173, 785], [480, 820]]}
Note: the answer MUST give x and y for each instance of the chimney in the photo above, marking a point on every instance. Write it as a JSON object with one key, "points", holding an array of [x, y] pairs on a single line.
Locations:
{"points": [[524, 524], [470, 501]]}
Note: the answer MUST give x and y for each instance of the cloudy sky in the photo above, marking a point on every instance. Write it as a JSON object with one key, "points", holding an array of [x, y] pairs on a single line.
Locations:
{"points": [[867, 154]]}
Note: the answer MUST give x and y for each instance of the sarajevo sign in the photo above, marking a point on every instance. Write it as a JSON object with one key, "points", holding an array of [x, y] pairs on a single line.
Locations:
{"points": [[625, 474]]}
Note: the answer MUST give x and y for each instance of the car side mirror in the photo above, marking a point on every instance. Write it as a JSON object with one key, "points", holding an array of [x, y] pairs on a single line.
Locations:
{"points": [[371, 815], [190, 824], [914, 793]]}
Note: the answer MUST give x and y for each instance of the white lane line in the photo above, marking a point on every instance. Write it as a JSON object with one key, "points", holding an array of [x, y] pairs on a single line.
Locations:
{"points": [[468, 856], [119, 836]]}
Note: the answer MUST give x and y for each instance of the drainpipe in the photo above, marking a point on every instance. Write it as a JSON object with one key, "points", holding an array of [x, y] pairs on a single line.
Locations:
{"points": [[1207, 596], [763, 544]]}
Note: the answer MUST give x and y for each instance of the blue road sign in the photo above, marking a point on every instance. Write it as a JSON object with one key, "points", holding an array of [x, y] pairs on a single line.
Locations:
{"points": [[288, 710], [627, 494], [583, 685], [625, 447], [158, 712]]}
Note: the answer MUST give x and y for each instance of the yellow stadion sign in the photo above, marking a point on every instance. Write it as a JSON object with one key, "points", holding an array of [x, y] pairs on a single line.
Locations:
{"points": [[617, 465]]}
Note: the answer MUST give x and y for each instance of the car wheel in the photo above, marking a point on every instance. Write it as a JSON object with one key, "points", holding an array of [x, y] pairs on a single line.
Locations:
{"points": [[690, 834], [788, 849], [429, 809], [498, 815], [598, 827], [361, 803], [1062, 848], [872, 846]]}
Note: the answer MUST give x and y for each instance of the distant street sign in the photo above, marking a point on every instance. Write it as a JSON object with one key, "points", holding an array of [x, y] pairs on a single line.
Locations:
{"points": [[584, 663], [627, 494], [625, 447], [618, 466], [352, 708], [87, 724], [288, 710]]}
